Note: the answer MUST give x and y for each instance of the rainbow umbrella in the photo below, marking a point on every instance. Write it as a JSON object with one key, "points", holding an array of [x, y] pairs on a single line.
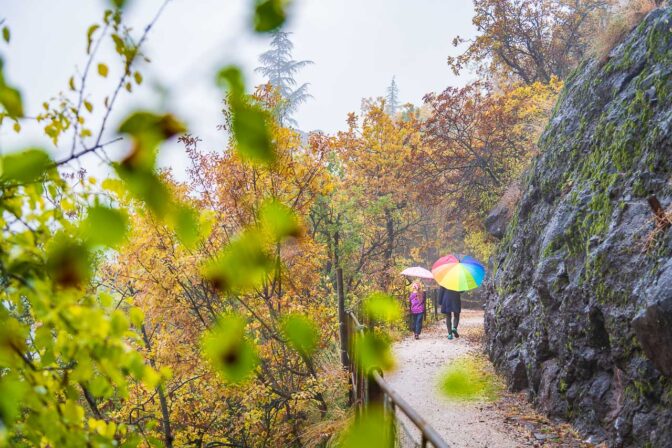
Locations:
{"points": [[458, 273]]}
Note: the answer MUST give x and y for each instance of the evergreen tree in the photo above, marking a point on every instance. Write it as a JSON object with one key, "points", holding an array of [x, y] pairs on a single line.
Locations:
{"points": [[392, 98], [279, 69]]}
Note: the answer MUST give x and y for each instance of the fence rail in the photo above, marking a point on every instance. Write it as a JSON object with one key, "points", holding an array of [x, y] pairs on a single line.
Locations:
{"points": [[370, 388]]}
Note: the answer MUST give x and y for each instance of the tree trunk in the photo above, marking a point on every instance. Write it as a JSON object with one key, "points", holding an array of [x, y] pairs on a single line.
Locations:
{"points": [[165, 414]]}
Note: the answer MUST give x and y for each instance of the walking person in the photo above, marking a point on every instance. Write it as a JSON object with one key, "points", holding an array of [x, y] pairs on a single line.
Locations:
{"points": [[450, 304], [417, 299]]}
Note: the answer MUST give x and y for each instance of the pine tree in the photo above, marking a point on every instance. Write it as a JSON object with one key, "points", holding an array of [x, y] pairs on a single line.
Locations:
{"points": [[392, 98], [279, 69]]}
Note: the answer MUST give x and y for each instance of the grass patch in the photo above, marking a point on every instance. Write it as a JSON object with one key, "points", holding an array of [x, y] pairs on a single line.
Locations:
{"points": [[471, 378]]}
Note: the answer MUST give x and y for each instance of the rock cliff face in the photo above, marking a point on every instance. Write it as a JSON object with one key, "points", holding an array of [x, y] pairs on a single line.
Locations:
{"points": [[579, 309]]}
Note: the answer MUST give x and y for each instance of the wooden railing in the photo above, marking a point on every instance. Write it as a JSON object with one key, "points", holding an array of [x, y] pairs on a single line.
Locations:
{"points": [[371, 389]]}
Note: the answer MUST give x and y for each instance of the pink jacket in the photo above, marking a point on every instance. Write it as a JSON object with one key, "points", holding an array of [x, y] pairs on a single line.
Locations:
{"points": [[417, 302]]}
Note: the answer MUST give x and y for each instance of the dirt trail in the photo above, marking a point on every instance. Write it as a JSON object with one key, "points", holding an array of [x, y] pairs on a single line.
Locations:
{"points": [[507, 422]]}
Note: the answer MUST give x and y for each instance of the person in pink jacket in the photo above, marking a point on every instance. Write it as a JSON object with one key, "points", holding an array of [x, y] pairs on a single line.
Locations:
{"points": [[417, 299]]}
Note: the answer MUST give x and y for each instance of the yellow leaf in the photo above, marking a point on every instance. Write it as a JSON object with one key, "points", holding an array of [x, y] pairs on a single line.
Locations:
{"points": [[67, 205], [102, 70]]}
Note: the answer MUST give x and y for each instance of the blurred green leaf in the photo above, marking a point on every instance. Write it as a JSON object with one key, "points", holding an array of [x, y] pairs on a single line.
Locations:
{"points": [[6, 34], [25, 166], [371, 429], [231, 78], [10, 97], [382, 307], [242, 265], [372, 351], [99, 386], [279, 220], [161, 127], [470, 378], [148, 130], [104, 226], [301, 333], [250, 128], [118, 323], [89, 37], [136, 316], [146, 186], [229, 351], [120, 4], [105, 299], [249, 122], [12, 391], [68, 262], [186, 224], [269, 15], [12, 337], [103, 70]]}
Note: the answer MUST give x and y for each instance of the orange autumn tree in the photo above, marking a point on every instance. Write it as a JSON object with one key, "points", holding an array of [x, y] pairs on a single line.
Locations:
{"points": [[478, 140], [367, 221], [529, 40], [183, 296]]}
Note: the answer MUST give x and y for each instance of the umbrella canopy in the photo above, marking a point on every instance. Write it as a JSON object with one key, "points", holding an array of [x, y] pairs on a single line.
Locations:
{"points": [[458, 273], [417, 271]]}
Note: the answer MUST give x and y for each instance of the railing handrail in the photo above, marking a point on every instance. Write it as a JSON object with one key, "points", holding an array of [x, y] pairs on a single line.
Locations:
{"points": [[427, 432]]}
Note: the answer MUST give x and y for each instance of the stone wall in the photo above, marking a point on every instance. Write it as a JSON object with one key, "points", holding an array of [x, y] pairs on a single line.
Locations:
{"points": [[579, 310]]}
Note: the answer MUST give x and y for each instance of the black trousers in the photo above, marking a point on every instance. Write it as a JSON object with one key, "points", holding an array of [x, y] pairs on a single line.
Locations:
{"points": [[417, 323], [456, 321]]}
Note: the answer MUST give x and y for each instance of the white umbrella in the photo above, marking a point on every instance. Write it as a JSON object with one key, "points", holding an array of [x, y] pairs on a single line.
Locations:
{"points": [[417, 271]]}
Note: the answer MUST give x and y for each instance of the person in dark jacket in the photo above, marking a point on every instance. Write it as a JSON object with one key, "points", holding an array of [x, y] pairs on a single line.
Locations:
{"points": [[450, 303]]}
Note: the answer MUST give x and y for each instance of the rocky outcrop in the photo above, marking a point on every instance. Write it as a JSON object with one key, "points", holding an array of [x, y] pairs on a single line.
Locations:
{"points": [[500, 215], [579, 309]]}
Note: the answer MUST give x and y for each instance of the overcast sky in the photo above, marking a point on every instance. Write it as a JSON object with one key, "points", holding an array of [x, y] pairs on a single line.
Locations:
{"points": [[357, 46]]}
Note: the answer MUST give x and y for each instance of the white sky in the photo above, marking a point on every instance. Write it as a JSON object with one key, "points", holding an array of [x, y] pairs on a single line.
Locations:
{"points": [[357, 46]]}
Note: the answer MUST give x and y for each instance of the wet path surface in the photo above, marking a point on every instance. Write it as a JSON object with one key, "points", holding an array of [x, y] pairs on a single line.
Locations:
{"points": [[507, 422]]}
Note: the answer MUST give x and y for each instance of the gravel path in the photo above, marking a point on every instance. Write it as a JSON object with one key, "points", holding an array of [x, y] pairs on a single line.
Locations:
{"points": [[510, 421], [420, 364]]}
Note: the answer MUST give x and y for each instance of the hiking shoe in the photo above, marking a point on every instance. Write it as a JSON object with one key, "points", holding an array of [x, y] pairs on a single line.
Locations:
{"points": [[450, 336], [417, 336], [455, 333]]}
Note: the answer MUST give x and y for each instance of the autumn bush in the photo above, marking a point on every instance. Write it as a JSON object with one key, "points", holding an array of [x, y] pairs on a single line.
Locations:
{"points": [[622, 18]]}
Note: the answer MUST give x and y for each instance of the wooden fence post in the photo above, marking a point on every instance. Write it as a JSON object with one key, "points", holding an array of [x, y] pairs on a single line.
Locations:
{"points": [[374, 393]]}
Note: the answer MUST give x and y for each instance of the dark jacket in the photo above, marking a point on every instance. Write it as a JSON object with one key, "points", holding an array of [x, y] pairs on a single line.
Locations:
{"points": [[450, 301]]}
